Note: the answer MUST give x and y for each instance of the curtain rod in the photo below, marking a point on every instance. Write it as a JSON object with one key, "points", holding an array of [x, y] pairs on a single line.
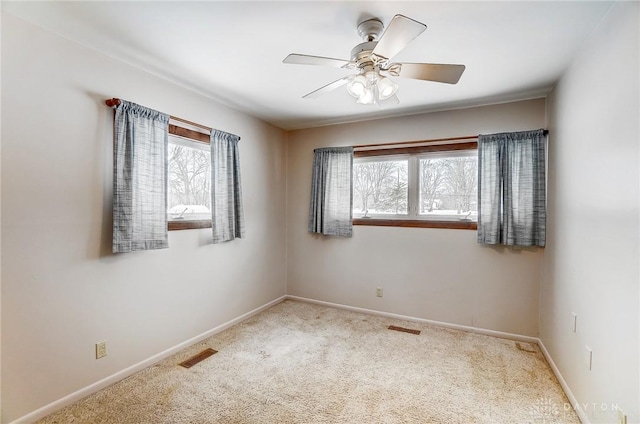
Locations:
{"points": [[115, 102], [433, 140]]}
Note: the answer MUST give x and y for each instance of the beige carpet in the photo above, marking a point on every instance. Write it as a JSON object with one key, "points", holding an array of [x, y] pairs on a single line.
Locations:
{"points": [[303, 363]]}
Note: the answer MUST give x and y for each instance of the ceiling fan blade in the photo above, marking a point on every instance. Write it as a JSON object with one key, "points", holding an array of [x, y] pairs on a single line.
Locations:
{"points": [[303, 59], [400, 32], [449, 74], [329, 87]]}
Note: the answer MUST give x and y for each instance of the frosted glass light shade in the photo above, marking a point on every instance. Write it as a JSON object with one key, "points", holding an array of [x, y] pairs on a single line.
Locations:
{"points": [[366, 98], [357, 86], [386, 87]]}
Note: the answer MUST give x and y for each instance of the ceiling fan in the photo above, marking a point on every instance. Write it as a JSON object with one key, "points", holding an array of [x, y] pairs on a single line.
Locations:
{"points": [[372, 59]]}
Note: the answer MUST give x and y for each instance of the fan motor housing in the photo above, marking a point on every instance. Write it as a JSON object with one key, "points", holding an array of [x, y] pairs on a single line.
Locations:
{"points": [[367, 46], [362, 53], [371, 29]]}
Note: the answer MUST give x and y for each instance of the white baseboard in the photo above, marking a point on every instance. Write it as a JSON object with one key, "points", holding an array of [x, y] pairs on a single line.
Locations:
{"points": [[468, 329], [563, 383], [92, 388]]}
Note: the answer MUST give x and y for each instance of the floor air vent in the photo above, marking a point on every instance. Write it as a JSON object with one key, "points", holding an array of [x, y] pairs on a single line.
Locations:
{"points": [[404, 330], [197, 358]]}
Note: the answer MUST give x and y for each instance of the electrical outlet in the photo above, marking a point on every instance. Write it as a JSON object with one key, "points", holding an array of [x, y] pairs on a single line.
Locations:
{"points": [[379, 291], [588, 357], [622, 418], [101, 349], [574, 321]]}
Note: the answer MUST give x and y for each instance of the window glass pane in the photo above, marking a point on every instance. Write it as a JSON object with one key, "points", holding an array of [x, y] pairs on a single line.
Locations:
{"points": [[189, 195], [448, 187], [380, 187]]}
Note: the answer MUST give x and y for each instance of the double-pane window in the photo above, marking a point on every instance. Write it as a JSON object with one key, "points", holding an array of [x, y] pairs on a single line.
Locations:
{"points": [[438, 185]]}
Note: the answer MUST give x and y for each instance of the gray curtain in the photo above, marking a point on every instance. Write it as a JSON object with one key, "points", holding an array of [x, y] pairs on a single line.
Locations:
{"points": [[141, 138], [512, 188], [330, 211], [227, 216]]}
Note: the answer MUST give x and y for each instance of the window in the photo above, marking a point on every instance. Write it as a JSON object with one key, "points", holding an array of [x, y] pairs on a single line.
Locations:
{"points": [[189, 185], [427, 186], [380, 186]]}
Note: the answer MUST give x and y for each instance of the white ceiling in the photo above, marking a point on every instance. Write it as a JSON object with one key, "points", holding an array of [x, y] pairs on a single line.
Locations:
{"points": [[233, 51]]}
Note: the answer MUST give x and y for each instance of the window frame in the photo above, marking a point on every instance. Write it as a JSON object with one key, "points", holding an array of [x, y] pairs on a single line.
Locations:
{"points": [[197, 138], [414, 220]]}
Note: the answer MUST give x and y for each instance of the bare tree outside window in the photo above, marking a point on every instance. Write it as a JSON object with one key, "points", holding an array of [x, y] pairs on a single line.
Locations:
{"points": [[449, 186], [432, 179], [380, 187], [461, 179], [189, 189]]}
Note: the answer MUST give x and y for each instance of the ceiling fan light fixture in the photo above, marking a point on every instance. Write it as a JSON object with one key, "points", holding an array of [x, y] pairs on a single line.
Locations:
{"points": [[386, 87], [370, 87]]}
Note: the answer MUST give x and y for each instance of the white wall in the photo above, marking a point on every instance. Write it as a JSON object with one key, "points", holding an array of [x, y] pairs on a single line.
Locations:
{"points": [[62, 289], [436, 274], [591, 263]]}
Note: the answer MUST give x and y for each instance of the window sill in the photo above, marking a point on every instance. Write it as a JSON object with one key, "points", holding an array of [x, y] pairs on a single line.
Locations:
{"points": [[416, 223], [189, 225]]}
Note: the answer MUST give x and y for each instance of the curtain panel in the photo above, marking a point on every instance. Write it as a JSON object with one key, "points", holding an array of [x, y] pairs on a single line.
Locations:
{"points": [[141, 138], [227, 215], [512, 188], [330, 210]]}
